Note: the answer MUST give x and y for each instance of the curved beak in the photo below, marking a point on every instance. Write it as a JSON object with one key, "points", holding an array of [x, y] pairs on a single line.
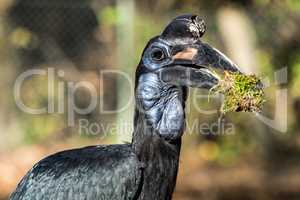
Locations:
{"points": [[196, 65]]}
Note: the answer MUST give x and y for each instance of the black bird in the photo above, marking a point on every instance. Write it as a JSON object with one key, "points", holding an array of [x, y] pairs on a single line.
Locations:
{"points": [[146, 168]]}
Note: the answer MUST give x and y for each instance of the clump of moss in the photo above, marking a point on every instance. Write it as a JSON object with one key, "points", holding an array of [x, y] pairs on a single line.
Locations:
{"points": [[241, 92]]}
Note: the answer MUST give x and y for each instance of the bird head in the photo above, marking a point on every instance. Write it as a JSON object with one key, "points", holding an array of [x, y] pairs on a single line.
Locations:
{"points": [[172, 62], [179, 56]]}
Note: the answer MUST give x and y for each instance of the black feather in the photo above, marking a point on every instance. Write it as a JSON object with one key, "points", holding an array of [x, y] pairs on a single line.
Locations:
{"points": [[90, 173]]}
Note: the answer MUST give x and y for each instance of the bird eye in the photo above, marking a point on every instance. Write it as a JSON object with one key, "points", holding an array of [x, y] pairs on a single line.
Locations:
{"points": [[157, 54]]}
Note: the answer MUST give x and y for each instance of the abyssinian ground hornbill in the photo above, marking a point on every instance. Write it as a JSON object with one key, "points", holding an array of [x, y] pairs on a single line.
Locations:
{"points": [[146, 168]]}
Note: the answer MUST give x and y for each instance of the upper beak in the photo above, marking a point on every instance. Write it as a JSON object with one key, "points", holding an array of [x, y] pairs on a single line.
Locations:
{"points": [[197, 65]]}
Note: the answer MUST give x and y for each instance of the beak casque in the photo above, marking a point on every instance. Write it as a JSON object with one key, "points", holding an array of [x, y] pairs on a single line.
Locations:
{"points": [[194, 63]]}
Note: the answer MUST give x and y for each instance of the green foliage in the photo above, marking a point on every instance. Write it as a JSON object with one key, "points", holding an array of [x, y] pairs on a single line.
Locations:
{"points": [[294, 5], [39, 127], [108, 15]]}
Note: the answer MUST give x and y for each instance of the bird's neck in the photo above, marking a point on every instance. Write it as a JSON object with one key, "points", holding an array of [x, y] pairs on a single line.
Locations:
{"points": [[158, 126], [159, 111], [160, 159]]}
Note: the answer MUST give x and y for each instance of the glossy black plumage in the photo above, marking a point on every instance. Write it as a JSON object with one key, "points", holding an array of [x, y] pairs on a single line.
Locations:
{"points": [[147, 168], [90, 173]]}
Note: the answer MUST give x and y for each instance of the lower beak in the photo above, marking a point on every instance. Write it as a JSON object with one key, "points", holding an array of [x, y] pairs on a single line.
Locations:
{"points": [[197, 66]]}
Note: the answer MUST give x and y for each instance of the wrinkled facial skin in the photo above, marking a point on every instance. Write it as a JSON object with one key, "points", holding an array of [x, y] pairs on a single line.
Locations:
{"points": [[171, 62], [162, 105]]}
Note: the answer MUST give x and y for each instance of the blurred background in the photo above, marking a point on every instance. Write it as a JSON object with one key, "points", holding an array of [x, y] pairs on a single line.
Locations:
{"points": [[84, 37]]}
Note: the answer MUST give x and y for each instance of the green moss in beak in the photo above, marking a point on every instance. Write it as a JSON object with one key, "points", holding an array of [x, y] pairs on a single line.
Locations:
{"points": [[241, 92]]}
